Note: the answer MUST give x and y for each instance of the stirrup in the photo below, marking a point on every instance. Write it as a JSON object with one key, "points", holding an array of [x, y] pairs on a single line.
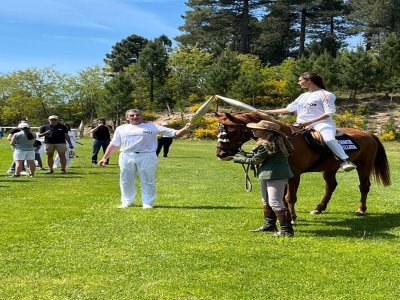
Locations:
{"points": [[348, 166]]}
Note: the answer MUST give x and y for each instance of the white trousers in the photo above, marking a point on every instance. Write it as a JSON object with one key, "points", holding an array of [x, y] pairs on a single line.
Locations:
{"points": [[144, 165], [328, 132]]}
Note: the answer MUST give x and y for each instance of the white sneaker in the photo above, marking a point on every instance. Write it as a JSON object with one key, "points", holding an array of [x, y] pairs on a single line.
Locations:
{"points": [[348, 166], [9, 171], [24, 173], [147, 205], [124, 205]]}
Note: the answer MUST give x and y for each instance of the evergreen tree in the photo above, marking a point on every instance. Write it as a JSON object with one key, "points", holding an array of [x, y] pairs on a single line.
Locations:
{"points": [[153, 63], [125, 52], [215, 25], [389, 64], [278, 36], [118, 97], [222, 74], [357, 71], [374, 20]]}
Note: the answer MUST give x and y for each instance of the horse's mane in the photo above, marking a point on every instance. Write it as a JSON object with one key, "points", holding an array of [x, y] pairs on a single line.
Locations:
{"points": [[251, 117]]}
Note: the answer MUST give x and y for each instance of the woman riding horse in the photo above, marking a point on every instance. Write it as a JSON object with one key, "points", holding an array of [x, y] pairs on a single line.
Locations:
{"points": [[315, 109]]}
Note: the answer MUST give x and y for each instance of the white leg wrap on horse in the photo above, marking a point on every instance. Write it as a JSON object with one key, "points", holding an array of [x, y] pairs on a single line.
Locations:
{"points": [[337, 149]]}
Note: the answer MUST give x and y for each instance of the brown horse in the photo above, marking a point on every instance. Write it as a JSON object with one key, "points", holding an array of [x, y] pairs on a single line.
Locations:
{"points": [[370, 159]]}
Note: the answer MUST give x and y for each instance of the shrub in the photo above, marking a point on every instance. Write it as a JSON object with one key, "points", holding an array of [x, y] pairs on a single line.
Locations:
{"points": [[148, 116], [202, 133], [177, 123], [195, 107], [350, 120], [388, 136]]}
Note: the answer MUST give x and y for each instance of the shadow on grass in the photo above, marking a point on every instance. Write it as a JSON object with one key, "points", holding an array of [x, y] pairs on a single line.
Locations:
{"points": [[371, 226], [201, 207]]}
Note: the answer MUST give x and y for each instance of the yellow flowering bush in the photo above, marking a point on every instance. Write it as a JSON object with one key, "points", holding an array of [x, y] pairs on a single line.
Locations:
{"points": [[388, 136], [202, 133], [349, 120], [194, 108]]}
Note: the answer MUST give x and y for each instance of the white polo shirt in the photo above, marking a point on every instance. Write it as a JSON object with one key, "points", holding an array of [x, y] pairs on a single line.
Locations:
{"points": [[311, 105], [140, 138]]}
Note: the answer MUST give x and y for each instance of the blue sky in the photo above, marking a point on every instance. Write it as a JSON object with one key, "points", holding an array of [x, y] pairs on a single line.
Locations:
{"points": [[71, 35]]}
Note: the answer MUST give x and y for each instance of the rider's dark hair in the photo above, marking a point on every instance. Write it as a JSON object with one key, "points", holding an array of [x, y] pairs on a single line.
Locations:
{"points": [[315, 78]]}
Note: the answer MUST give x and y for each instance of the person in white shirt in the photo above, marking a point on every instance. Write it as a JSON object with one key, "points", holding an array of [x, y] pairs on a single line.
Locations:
{"points": [[315, 109], [137, 142]]}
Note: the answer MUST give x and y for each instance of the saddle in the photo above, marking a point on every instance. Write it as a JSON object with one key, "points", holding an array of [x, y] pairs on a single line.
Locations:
{"points": [[315, 140]]}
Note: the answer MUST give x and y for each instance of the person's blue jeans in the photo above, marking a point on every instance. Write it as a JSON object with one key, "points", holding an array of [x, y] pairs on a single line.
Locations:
{"points": [[97, 145]]}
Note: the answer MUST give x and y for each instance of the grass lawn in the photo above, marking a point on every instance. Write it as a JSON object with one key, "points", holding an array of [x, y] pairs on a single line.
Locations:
{"points": [[62, 236]]}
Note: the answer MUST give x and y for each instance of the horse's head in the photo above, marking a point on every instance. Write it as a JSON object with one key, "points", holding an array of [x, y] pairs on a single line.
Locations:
{"points": [[232, 133]]}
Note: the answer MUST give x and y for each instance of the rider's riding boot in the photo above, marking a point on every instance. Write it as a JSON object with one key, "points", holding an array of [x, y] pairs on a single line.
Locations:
{"points": [[285, 221], [269, 219]]}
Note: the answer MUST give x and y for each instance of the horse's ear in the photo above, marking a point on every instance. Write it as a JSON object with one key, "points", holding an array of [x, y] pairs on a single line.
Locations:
{"points": [[230, 117]]}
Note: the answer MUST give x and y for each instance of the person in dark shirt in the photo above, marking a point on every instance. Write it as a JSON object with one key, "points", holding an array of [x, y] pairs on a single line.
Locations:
{"points": [[55, 138], [101, 138], [164, 141]]}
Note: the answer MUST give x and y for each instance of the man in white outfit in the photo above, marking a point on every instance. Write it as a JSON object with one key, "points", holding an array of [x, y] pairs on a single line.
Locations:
{"points": [[315, 109], [137, 141]]}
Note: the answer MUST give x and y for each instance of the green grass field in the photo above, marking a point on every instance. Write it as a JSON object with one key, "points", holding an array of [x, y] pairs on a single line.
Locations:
{"points": [[62, 236]]}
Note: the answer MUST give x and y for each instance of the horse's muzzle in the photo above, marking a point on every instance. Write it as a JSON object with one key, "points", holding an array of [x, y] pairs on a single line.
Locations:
{"points": [[222, 153]]}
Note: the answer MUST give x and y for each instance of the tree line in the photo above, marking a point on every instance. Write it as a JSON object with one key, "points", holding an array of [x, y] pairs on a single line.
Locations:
{"points": [[249, 50]]}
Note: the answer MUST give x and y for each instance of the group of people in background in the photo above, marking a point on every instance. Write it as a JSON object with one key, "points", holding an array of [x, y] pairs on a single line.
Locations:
{"points": [[26, 146]]}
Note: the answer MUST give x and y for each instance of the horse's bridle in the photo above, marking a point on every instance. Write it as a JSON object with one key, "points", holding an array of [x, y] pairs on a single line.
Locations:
{"points": [[223, 138]]}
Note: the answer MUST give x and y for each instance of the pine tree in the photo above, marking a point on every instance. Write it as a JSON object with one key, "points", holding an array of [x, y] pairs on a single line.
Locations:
{"points": [[125, 52]]}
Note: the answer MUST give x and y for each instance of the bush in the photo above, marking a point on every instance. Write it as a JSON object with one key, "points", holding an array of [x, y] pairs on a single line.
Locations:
{"points": [[194, 108], [177, 123], [388, 136], [148, 116], [202, 133], [349, 120]]}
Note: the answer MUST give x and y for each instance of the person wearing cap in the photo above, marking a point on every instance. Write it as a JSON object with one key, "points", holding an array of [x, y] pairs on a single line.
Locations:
{"points": [[137, 142], [11, 169], [55, 138], [315, 109], [164, 141], [270, 156], [23, 149], [101, 138]]}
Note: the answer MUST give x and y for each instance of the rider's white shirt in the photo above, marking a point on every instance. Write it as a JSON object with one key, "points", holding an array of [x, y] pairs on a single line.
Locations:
{"points": [[140, 138], [311, 105]]}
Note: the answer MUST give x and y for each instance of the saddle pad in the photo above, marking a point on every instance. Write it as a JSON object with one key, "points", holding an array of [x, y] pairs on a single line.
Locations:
{"points": [[347, 143]]}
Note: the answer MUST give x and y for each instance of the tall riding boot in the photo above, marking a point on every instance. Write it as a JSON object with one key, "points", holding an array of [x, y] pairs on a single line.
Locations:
{"points": [[269, 221], [285, 221]]}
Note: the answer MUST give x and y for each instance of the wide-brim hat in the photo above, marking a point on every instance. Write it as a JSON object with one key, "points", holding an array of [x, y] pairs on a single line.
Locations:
{"points": [[265, 125], [53, 117]]}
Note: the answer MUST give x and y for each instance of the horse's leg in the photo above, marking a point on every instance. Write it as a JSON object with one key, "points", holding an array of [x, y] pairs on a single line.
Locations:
{"points": [[291, 195], [330, 186], [365, 184]]}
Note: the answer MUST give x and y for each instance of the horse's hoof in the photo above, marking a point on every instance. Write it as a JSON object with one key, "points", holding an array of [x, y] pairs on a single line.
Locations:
{"points": [[293, 222], [315, 212], [360, 213]]}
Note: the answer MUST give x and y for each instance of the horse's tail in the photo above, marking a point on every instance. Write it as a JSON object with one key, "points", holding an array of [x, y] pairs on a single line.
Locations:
{"points": [[381, 169]]}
